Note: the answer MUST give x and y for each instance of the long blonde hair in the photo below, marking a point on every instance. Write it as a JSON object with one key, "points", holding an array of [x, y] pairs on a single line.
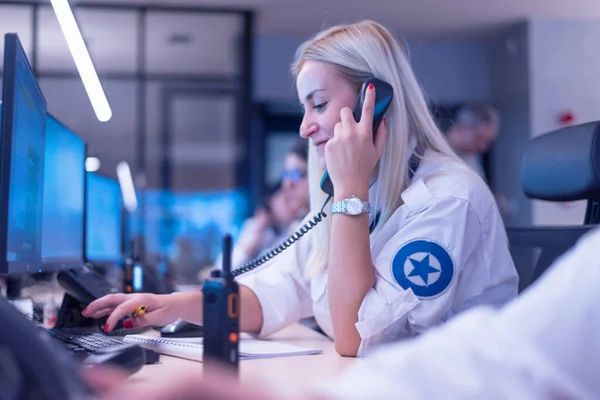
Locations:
{"points": [[359, 51]]}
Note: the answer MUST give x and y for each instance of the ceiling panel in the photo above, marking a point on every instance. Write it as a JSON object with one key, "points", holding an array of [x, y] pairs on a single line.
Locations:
{"points": [[111, 37], [189, 43], [16, 19]]}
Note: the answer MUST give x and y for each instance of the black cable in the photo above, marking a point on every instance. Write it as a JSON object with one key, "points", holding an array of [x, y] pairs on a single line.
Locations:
{"points": [[260, 260]]}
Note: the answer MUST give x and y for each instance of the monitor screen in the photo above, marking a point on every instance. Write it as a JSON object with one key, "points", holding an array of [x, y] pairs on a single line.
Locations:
{"points": [[103, 227], [64, 185], [22, 163]]}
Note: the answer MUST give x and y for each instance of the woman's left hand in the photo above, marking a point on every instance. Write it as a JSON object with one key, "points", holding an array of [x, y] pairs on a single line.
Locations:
{"points": [[352, 154]]}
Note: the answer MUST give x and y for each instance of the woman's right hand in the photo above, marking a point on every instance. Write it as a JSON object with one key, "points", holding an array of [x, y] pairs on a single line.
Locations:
{"points": [[161, 310]]}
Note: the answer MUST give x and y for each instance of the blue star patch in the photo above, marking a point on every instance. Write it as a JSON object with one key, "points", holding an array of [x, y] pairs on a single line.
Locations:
{"points": [[423, 266]]}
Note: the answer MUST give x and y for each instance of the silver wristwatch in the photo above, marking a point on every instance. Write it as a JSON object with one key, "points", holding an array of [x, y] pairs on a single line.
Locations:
{"points": [[351, 206]]}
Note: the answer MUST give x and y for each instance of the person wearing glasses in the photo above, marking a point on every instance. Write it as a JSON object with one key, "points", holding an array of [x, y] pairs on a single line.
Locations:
{"points": [[280, 214], [294, 179]]}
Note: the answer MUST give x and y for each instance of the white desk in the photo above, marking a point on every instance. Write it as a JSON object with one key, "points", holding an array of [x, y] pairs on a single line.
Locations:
{"points": [[285, 373]]}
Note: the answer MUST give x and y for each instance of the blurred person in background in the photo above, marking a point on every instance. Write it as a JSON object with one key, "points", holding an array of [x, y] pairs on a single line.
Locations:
{"points": [[294, 181], [268, 226], [473, 134], [185, 264], [280, 214], [471, 131]]}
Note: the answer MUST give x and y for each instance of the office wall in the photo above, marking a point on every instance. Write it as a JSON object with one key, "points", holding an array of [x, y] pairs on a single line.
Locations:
{"points": [[510, 87], [449, 71], [565, 66]]}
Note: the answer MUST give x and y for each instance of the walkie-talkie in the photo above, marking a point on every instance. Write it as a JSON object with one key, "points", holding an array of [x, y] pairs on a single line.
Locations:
{"points": [[221, 314]]}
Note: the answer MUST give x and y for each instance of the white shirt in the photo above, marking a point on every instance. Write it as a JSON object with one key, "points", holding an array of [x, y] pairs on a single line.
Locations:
{"points": [[474, 161], [545, 345], [447, 213]]}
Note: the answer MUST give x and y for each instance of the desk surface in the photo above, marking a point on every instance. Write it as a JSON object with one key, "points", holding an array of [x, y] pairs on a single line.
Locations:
{"points": [[285, 373]]}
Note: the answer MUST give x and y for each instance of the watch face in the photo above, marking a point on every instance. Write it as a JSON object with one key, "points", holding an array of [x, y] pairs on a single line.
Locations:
{"points": [[354, 206]]}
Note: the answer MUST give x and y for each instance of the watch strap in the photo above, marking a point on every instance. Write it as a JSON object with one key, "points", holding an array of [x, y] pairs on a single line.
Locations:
{"points": [[341, 206]]}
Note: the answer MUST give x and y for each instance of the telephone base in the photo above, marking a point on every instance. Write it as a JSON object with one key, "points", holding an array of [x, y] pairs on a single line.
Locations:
{"points": [[69, 315]]}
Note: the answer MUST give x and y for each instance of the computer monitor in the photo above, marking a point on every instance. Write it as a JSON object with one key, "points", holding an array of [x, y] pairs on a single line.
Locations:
{"points": [[64, 202], [103, 220], [23, 124]]}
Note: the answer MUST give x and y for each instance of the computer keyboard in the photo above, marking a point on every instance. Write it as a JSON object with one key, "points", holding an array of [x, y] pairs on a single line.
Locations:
{"points": [[91, 342], [82, 342]]}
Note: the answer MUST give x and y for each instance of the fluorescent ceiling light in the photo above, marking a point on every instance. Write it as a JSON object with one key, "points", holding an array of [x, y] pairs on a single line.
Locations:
{"points": [[127, 188], [82, 59], [92, 164]]}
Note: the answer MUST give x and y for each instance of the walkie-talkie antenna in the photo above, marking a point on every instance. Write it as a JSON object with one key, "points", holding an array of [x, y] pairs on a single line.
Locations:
{"points": [[227, 251]]}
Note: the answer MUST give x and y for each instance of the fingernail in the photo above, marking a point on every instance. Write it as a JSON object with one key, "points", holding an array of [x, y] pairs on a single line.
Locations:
{"points": [[106, 328], [371, 86], [127, 324], [83, 311], [384, 121]]}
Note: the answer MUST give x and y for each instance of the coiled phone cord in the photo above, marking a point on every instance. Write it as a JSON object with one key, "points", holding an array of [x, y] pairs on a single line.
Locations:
{"points": [[293, 238]]}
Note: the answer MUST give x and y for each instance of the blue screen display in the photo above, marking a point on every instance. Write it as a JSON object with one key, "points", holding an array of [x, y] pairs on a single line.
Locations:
{"points": [[103, 230], [189, 225], [27, 165], [64, 180]]}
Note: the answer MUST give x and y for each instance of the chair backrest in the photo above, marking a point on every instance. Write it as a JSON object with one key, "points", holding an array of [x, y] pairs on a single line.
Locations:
{"points": [[534, 249], [563, 165]]}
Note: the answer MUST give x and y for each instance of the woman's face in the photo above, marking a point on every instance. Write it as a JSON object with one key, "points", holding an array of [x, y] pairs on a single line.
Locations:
{"points": [[295, 182], [323, 92]]}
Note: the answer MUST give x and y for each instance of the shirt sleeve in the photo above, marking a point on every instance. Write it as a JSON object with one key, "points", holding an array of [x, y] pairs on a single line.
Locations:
{"points": [[542, 346], [281, 288], [422, 270]]}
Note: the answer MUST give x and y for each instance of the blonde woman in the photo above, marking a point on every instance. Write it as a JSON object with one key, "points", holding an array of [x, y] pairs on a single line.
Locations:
{"points": [[428, 244]]}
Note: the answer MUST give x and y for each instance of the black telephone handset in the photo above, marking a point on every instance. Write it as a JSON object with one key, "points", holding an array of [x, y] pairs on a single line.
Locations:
{"points": [[82, 286], [383, 98]]}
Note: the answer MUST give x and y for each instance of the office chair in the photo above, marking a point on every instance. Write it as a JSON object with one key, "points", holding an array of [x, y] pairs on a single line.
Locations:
{"points": [[563, 165]]}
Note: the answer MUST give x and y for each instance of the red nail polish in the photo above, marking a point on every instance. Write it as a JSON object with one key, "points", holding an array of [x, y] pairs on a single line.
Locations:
{"points": [[106, 328], [84, 311], [371, 86], [127, 324], [384, 121]]}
